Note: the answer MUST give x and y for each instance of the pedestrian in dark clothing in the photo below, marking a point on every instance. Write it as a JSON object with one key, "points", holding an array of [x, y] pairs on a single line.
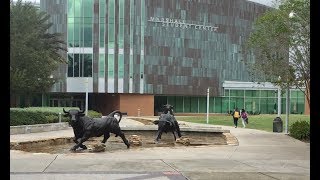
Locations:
{"points": [[236, 115]]}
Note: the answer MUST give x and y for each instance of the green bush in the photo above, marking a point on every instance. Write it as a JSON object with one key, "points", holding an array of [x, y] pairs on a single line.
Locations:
{"points": [[18, 117], [94, 114], [300, 130], [42, 115]]}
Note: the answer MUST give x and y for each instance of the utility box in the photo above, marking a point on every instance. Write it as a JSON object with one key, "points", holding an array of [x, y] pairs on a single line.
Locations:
{"points": [[277, 125]]}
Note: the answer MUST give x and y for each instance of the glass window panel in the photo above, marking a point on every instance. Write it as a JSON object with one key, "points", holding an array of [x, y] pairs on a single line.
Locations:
{"points": [[159, 101], [179, 104], [233, 92], [264, 93], [239, 102], [256, 93], [248, 104], [77, 8], [81, 65], [111, 36], [70, 35], [70, 8], [233, 103], [120, 66], [88, 35], [76, 35], [240, 93], [77, 20], [272, 105], [300, 94], [121, 9], [300, 105], [88, 20], [102, 8], [217, 105], [272, 93], [194, 104], [76, 65], [294, 105], [255, 105], [202, 104], [87, 65], [101, 65], [294, 94], [187, 104], [249, 93], [111, 9], [225, 105], [87, 8], [121, 33], [101, 35], [264, 106], [172, 100], [283, 93], [70, 65], [110, 65]]}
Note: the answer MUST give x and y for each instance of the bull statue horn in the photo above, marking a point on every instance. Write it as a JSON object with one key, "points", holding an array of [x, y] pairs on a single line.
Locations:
{"points": [[81, 111], [65, 111]]}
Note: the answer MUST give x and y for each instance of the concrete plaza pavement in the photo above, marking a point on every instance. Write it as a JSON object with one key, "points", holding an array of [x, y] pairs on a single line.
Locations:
{"points": [[259, 155]]}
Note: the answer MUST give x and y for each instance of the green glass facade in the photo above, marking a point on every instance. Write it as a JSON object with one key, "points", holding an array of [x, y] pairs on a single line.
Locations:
{"points": [[254, 101]]}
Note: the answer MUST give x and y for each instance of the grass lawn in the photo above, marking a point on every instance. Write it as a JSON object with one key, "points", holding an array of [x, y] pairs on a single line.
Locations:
{"points": [[261, 122]]}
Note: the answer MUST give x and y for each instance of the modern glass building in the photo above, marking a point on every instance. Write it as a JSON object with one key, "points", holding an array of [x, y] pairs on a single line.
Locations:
{"points": [[136, 55]]}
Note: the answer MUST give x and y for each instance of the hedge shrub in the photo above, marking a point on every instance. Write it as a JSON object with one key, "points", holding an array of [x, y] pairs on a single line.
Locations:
{"points": [[41, 115], [300, 130]]}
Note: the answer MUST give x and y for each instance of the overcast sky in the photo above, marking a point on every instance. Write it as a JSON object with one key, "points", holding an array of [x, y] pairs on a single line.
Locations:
{"points": [[265, 2]]}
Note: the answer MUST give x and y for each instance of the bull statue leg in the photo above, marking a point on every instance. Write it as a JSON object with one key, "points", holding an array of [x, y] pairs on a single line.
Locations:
{"points": [[174, 135], [105, 137], [126, 142], [81, 145], [118, 132], [159, 133], [177, 128], [83, 139]]}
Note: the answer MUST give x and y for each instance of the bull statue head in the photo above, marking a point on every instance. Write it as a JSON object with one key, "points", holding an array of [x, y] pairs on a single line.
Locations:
{"points": [[168, 108], [73, 114]]}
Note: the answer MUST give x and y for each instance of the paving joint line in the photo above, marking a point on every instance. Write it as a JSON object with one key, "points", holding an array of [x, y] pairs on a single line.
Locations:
{"points": [[255, 167], [233, 152], [50, 163], [174, 169]]}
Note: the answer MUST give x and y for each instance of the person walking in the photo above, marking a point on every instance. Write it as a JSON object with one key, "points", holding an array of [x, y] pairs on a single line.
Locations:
{"points": [[244, 117], [236, 115]]}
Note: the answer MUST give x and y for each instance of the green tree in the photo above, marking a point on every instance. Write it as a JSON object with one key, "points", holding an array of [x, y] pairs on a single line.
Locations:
{"points": [[34, 53], [280, 44]]}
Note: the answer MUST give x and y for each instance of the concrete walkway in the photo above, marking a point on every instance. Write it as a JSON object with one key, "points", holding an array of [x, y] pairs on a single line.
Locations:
{"points": [[259, 155]]}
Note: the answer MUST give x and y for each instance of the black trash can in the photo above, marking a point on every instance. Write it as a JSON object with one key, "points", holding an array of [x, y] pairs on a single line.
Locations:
{"points": [[277, 125]]}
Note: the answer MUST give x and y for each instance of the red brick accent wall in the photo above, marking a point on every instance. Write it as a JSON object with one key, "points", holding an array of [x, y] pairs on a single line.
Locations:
{"points": [[130, 103]]}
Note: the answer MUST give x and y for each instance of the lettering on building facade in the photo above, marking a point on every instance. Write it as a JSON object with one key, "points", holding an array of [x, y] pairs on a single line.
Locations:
{"points": [[178, 23]]}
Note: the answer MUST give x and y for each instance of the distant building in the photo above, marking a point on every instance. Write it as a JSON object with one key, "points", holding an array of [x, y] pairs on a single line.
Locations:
{"points": [[140, 54]]}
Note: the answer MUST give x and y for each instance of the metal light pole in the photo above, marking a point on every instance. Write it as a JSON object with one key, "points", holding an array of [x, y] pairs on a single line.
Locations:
{"points": [[208, 106], [86, 82], [287, 108], [279, 101]]}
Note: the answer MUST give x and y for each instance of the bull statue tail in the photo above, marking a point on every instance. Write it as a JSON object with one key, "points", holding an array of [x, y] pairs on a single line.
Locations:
{"points": [[116, 112]]}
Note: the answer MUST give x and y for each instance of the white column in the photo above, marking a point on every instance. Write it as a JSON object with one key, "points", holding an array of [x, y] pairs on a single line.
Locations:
{"points": [[208, 106], [86, 82], [279, 101]]}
